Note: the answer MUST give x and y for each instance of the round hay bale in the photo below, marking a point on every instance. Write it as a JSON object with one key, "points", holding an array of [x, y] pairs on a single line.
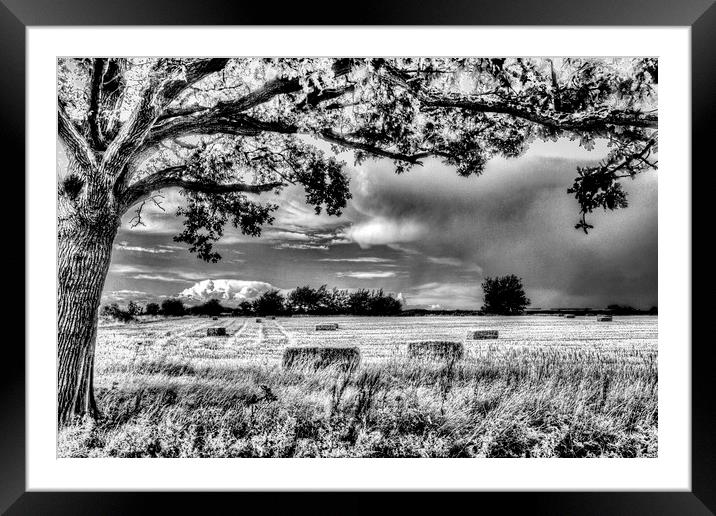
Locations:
{"points": [[482, 334], [604, 318], [273, 317], [436, 350], [569, 316], [326, 327], [316, 357], [219, 331], [215, 318], [258, 320]]}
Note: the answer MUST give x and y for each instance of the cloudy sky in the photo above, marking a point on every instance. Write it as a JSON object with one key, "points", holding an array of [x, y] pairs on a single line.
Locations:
{"points": [[429, 235]]}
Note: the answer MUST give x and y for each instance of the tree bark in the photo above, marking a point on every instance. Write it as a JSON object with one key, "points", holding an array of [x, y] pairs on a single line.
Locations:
{"points": [[84, 253]]}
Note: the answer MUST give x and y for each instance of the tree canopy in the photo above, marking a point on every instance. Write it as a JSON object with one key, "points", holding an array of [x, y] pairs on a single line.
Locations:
{"points": [[221, 130], [504, 295]]}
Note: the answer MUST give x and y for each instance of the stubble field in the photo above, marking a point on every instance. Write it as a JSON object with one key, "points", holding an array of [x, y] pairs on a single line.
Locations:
{"points": [[547, 387]]}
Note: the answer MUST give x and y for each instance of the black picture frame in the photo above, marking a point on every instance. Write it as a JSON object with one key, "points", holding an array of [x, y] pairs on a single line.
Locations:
{"points": [[699, 15]]}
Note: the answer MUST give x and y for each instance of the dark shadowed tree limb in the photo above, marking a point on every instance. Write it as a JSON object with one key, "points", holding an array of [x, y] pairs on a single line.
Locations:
{"points": [[581, 121], [99, 67], [251, 100], [331, 136], [172, 177], [596, 121]]}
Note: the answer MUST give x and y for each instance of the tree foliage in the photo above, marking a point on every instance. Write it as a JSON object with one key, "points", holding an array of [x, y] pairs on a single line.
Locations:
{"points": [[269, 303], [504, 295], [173, 307], [113, 311], [224, 130], [151, 309]]}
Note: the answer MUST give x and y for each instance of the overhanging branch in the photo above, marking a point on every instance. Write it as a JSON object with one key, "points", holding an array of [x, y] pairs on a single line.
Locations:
{"points": [[171, 177], [589, 121]]}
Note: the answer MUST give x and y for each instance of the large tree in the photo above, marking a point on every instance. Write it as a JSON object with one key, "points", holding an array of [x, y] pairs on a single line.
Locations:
{"points": [[223, 131], [504, 295]]}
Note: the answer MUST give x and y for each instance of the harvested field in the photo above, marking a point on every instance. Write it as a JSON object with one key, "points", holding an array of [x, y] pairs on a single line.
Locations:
{"points": [[548, 387]]}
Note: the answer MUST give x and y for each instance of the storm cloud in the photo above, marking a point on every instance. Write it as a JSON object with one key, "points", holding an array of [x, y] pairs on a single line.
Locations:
{"points": [[428, 234]]}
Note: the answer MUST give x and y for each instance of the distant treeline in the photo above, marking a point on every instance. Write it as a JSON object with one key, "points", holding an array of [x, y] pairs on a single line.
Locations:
{"points": [[302, 300], [311, 301]]}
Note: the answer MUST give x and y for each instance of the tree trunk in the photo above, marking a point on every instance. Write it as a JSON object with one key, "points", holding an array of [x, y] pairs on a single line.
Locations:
{"points": [[84, 252]]}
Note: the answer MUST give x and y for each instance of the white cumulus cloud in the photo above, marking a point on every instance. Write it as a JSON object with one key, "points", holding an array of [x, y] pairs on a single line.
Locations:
{"points": [[226, 290], [382, 231], [366, 274]]}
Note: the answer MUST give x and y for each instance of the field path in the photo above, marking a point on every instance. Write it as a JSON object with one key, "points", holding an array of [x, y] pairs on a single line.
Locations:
{"points": [[289, 339]]}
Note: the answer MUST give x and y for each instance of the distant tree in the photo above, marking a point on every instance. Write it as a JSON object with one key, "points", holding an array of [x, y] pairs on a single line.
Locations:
{"points": [[504, 295], [173, 307], [269, 303], [359, 302], [151, 309], [212, 307], [623, 309], [113, 311], [134, 309], [246, 308], [307, 300], [338, 301], [382, 304]]}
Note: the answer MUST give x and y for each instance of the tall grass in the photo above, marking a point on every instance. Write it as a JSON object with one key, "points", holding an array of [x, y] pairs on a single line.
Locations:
{"points": [[192, 399]]}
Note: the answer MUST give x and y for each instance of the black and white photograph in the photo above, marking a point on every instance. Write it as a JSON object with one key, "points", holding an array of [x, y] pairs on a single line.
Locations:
{"points": [[357, 257]]}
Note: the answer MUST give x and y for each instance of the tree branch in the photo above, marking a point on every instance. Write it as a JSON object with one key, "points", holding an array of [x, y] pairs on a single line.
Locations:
{"points": [[171, 177], [331, 136], [99, 66], [214, 121], [165, 84], [562, 121], [594, 121], [73, 140], [251, 100]]}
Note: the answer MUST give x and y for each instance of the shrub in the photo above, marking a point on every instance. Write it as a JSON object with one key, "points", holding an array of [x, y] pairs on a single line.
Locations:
{"points": [[173, 307], [134, 309], [151, 309], [115, 312], [436, 350], [212, 307]]}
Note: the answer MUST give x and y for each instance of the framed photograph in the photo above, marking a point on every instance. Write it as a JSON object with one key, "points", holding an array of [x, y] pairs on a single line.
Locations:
{"points": [[396, 249]]}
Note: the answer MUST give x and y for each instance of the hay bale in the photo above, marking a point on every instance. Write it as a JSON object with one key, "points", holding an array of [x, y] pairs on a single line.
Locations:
{"points": [[273, 317], [604, 318], [258, 320], [214, 318], [326, 327], [317, 357], [482, 334], [218, 331], [569, 316], [436, 350]]}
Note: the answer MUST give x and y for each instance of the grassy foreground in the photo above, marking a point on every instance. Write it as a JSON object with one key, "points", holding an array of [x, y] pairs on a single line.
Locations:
{"points": [[499, 401]]}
